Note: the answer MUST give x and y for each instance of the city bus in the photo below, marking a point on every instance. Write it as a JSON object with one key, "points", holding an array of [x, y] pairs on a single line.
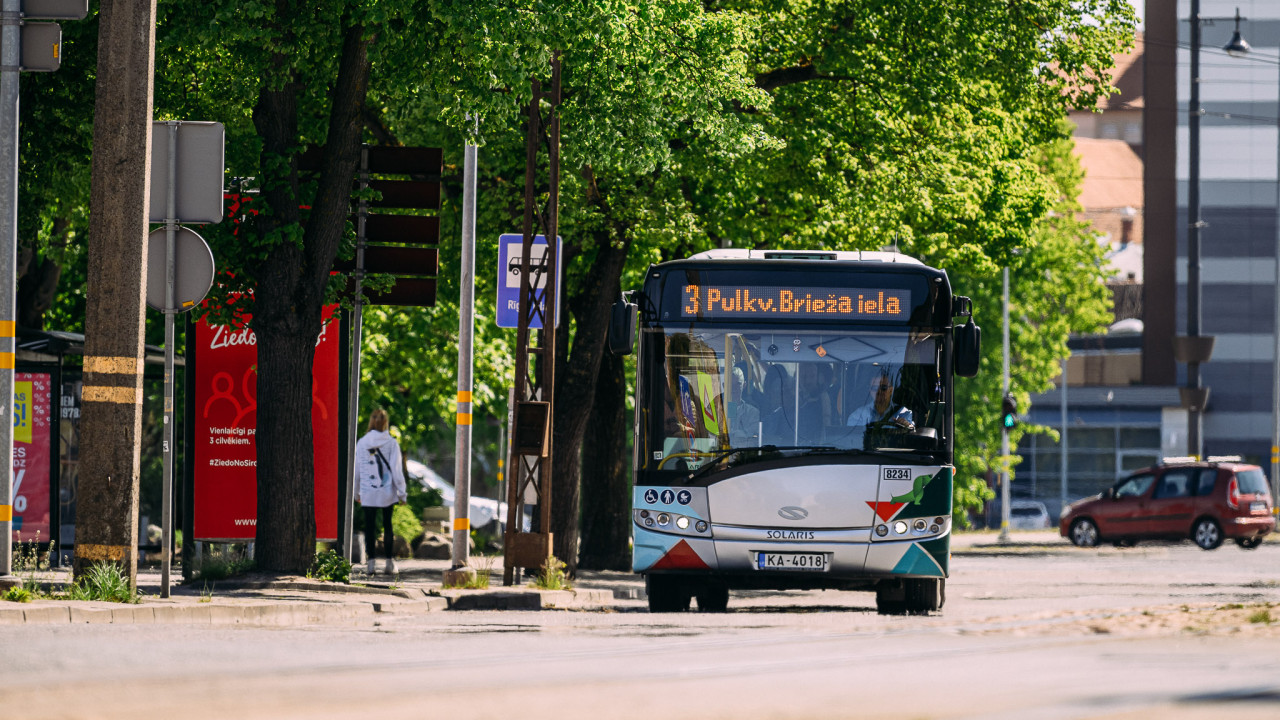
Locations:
{"points": [[794, 425]]}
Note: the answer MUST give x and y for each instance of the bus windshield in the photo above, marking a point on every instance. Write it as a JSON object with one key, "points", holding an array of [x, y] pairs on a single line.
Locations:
{"points": [[823, 390]]}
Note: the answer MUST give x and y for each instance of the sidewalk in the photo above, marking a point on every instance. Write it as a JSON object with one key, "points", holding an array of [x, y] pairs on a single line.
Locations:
{"points": [[416, 589], [287, 601]]}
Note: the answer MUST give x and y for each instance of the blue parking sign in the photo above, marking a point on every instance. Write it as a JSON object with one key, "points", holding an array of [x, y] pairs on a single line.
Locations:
{"points": [[510, 254]]}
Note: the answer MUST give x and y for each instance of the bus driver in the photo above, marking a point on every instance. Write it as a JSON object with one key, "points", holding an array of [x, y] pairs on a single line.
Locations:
{"points": [[881, 408]]}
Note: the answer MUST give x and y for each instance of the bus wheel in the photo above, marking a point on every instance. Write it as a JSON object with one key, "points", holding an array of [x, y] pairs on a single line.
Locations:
{"points": [[925, 595], [714, 598], [666, 594]]}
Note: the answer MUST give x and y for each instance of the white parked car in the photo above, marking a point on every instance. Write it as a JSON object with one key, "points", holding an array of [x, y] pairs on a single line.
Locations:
{"points": [[1028, 515], [483, 510]]}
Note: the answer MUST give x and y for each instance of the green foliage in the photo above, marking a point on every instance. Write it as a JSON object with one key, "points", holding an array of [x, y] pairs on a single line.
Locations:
{"points": [[551, 576], [17, 594], [330, 566], [1261, 617], [405, 523], [102, 581], [222, 562]]}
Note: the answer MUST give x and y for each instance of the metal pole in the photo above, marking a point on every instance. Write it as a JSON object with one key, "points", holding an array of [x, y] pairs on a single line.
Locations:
{"points": [[10, 28], [1004, 431], [466, 328], [1062, 441], [1275, 356], [353, 385], [1195, 412], [170, 307]]}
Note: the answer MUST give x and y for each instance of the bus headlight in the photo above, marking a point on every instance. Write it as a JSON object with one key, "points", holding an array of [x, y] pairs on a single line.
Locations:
{"points": [[674, 523], [899, 528]]}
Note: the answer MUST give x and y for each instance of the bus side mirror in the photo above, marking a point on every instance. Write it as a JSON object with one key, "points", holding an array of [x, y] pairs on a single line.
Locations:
{"points": [[968, 349], [622, 328]]}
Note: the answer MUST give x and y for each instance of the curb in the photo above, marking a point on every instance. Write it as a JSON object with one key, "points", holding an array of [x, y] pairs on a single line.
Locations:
{"points": [[269, 614], [528, 599]]}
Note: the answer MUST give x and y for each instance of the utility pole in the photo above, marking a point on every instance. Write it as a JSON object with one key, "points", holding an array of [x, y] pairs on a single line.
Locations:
{"points": [[9, 60], [460, 573], [111, 420]]}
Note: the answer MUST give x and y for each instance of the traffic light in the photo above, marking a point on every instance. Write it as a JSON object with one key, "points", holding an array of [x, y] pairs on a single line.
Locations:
{"points": [[1008, 412]]}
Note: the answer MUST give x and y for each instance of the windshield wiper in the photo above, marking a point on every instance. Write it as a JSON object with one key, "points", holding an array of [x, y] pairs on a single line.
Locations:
{"points": [[715, 461]]}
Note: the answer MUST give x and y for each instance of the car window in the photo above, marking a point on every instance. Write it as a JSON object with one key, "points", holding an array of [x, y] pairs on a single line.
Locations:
{"points": [[1208, 478], [1025, 512], [1135, 486], [1175, 484], [1252, 482]]}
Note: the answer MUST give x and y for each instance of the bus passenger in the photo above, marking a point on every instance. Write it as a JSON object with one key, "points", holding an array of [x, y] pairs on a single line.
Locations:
{"points": [[744, 418]]}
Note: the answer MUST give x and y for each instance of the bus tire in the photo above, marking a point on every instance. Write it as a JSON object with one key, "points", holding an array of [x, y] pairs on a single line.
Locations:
{"points": [[925, 595], [666, 594], [713, 598]]}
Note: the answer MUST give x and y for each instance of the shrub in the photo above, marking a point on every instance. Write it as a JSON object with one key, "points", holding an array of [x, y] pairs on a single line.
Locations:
{"points": [[330, 567], [17, 594], [405, 524]]}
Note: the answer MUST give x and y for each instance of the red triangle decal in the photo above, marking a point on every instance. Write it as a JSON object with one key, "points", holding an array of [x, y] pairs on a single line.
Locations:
{"points": [[681, 557], [885, 510]]}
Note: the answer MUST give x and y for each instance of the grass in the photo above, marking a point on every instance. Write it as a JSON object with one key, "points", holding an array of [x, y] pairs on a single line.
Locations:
{"points": [[102, 581], [482, 577], [1262, 616], [206, 594], [551, 576], [17, 594]]}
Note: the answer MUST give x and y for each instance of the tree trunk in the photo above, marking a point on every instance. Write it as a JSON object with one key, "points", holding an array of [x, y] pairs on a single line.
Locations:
{"points": [[606, 473], [288, 304], [576, 376]]}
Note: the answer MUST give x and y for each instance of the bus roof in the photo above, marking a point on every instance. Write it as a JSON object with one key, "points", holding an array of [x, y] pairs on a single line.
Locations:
{"points": [[805, 255]]}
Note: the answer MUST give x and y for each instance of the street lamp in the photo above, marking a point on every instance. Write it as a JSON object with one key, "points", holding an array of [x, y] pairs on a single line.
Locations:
{"points": [[1238, 47], [1195, 349]]}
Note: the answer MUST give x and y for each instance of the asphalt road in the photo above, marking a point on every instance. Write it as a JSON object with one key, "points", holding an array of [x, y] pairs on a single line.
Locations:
{"points": [[1151, 632]]}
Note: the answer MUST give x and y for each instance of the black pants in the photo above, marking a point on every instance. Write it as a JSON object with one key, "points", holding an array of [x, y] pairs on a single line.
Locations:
{"points": [[371, 531]]}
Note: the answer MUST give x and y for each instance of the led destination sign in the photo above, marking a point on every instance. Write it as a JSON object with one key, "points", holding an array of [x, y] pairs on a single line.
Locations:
{"points": [[773, 301]]}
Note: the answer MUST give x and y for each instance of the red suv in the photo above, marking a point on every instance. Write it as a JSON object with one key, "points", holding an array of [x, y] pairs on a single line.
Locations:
{"points": [[1206, 501]]}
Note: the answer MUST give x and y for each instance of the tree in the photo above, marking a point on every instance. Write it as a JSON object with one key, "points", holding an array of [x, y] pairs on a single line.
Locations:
{"points": [[285, 74]]}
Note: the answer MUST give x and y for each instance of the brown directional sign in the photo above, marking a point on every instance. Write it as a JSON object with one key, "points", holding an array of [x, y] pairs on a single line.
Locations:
{"points": [[395, 261], [417, 292], [418, 194], [55, 9], [412, 229], [406, 160]]}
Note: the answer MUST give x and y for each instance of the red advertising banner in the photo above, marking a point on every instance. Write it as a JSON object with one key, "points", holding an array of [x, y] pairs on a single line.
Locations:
{"points": [[31, 432], [226, 428]]}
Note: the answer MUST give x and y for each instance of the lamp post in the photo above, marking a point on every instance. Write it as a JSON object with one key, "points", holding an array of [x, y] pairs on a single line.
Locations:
{"points": [[1238, 47], [1195, 349]]}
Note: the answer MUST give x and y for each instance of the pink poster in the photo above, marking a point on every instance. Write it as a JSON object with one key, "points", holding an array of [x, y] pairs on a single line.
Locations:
{"points": [[31, 432]]}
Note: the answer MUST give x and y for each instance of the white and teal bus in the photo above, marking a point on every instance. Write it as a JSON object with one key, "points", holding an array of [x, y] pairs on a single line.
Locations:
{"points": [[794, 425]]}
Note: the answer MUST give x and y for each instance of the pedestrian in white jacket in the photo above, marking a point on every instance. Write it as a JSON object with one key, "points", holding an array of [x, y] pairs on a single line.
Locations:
{"points": [[379, 485]]}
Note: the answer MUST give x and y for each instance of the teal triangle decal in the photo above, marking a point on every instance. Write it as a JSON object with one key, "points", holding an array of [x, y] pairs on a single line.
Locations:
{"points": [[917, 562]]}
